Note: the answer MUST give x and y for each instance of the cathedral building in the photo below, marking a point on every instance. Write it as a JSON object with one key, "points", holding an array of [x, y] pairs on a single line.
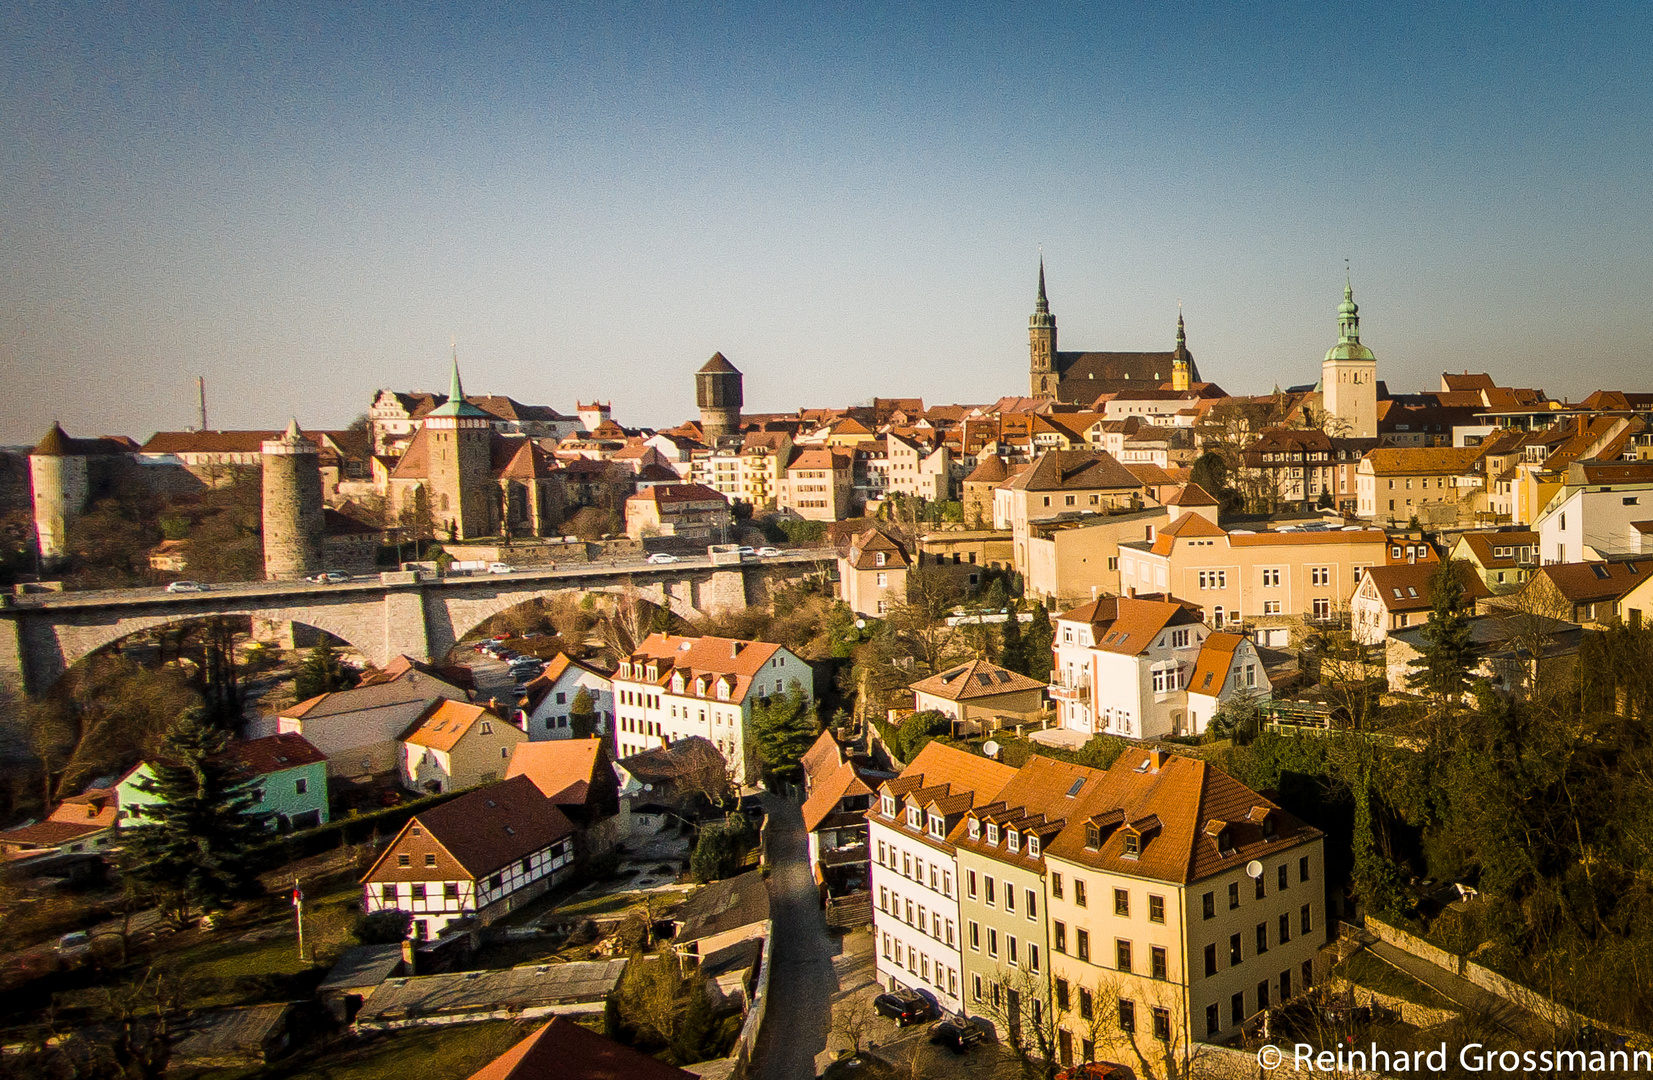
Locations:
{"points": [[1079, 378]]}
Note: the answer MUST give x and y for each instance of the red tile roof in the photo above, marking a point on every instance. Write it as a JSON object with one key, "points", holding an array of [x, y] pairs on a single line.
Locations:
{"points": [[563, 1050]]}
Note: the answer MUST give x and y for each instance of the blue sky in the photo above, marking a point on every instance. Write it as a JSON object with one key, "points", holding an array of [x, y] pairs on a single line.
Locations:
{"points": [[305, 204]]}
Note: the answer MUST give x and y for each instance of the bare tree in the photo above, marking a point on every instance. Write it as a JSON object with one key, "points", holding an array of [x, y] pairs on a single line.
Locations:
{"points": [[631, 620], [852, 1021]]}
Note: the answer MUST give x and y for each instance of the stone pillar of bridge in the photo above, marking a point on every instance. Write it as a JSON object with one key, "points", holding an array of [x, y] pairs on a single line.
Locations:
{"points": [[13, 658], [406, 630], [723, 592]]}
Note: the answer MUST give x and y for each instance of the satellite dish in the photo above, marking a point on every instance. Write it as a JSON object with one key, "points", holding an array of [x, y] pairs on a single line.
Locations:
{"points": [[648, 787], [991, 749], [860, 624], [1253, 869]]}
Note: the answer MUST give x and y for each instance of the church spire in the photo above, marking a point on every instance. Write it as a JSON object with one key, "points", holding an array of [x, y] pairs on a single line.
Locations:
{"points": [[1043, 305], [1348, 316]]}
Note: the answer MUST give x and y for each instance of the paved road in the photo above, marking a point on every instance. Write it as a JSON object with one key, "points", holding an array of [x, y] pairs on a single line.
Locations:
{"points": [[802, 982]]}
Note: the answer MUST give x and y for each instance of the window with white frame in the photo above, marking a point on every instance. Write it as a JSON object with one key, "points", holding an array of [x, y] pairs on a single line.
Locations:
{"points": [[1271, 578], [1271, 607], [1165, 678], [915, 817], [1179, 639], [1320, 575], [1322, 608]]}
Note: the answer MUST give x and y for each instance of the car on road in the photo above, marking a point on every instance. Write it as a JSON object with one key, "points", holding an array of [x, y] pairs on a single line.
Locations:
{"points": [[329, 577], [501, 568], [957, 1033], [744, 550], [768, 552], [78, 941], [661, 558], [187, 586], [904, 1006]]}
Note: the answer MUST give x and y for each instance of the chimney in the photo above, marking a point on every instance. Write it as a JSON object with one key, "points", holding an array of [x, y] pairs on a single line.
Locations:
{"points": [[409, 961], [1156, 759], [735, 647]]}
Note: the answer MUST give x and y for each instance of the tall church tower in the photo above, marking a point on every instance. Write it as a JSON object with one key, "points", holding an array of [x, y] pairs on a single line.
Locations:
{"points": [[1181, 359], [718, 391], [1041, 344], [458, 440], [1348, 376]]}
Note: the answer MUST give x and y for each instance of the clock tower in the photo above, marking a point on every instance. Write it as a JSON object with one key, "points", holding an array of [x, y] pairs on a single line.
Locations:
{"points": [[1041, 343]]}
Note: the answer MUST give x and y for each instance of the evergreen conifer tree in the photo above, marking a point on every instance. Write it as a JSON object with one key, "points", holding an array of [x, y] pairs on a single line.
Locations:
{"points": [[582, 715], [1013, 653], [196, 845], [321, 673], [786, 728], [1037, 642], [1446, 667]]}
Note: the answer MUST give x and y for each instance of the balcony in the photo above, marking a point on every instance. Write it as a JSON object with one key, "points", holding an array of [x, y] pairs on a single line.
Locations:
{"points": [[845, 855], [1061, 691]]}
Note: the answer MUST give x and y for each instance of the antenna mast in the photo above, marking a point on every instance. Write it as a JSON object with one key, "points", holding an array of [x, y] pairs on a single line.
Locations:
{"points": [[201, 388]]}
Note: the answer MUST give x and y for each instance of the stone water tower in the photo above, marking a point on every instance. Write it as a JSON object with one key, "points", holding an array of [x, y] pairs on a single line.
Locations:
{"points": [[292, 506], [718, 392]]}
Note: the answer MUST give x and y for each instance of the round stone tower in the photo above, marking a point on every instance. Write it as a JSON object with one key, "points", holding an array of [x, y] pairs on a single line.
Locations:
{"points": [[61, 484], [292, 506], [718, 392]]}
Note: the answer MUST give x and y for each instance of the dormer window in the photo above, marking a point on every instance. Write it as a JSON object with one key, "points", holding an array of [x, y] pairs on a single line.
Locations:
{"points": [[1225, 842], [1268, 827], [1093, 835], [992, 833], [915, 817], [1033, 847], [1133, 844], [887, 806], [938, 826], [1014, 840], [878, 558], [975, 829]]}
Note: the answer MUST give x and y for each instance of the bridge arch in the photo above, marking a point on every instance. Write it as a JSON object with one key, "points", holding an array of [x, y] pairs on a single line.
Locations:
{"points": [[461, 615], [60, 646]]}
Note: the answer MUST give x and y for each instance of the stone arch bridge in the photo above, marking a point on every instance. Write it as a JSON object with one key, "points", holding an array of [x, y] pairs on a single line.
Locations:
{"points": [[43, 635]]}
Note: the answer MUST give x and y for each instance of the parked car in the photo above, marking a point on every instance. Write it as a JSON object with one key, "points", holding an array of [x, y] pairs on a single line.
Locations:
{"points": [[957, 1033], [501, 568], [768, 552], [187, 586], [744, 550], [329, 577], [75, 942], [904, 1006], [660, 558], [500, 637]]}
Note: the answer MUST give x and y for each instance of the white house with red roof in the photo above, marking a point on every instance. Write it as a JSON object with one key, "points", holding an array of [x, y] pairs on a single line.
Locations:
{"points": [[457, 745], [1228, 667], [80, 823], [545, 710], [673, 687]]}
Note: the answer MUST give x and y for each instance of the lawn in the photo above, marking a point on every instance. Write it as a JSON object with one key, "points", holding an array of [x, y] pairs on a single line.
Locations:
{"points": [[613, 903], [438, 1052]]}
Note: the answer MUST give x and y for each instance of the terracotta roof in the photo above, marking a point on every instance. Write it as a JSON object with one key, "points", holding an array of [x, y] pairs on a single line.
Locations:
{"points": [[94, 806], [1180, 806], [705, 656], [1151, 475], [1191, 495], [1138, 621], [272, 754], [44, 834], [865, 546], [823, 758], [564, 1050], [678, 493], [1485, 544], [1075, 470], [541, 684], [1317, 536], [816, 457], [526, 461], [825, 794], [563, 769], [1040, 800], [975, 679], [489, 827], [1414, 460], [1211, 668], [1406, 586], [1466, 381], [951, 779], [208, 442], [445, 725], [1591, 582], [1614, 472], [1104, 609]]}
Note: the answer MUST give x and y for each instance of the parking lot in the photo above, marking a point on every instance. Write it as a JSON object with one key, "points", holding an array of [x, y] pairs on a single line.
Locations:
{"points": [[855, 971]]}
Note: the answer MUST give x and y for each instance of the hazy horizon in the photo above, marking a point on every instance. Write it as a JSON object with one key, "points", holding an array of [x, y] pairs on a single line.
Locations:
{"points": [[306, 204]]}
